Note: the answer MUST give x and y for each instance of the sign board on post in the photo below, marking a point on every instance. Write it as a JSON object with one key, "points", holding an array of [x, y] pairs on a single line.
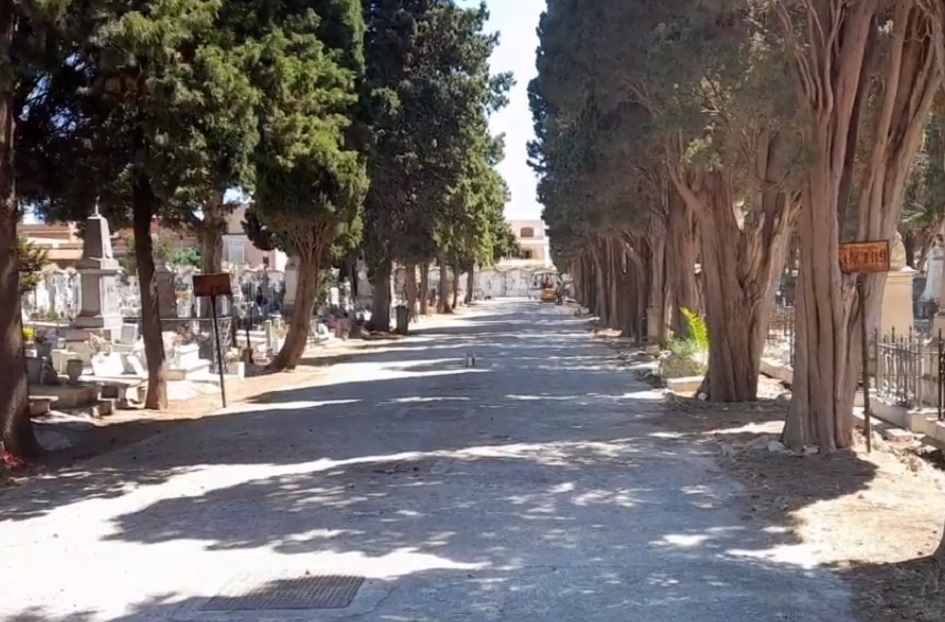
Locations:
{"points": [[863, 258], [213, 285]]}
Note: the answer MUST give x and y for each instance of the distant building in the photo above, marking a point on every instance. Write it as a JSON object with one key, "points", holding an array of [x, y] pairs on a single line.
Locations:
{"points": [[61, 241], [533, 241], [240, 251]]}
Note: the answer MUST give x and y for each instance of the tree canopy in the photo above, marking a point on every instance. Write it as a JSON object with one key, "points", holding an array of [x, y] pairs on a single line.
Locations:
{"points": [[703, 140]]}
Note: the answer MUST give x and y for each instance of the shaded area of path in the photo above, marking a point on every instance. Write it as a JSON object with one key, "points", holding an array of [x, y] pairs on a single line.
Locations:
{"points": [[539, 485]]}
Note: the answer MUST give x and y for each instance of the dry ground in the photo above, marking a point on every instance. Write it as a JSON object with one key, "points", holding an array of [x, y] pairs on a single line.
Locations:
{"points": [[125, 427], [874, 518]]}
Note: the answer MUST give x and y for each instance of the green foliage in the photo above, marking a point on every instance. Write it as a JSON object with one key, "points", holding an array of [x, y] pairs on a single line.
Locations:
{"points": [[309, 183], [186, 257], [697, 329], [688, 354], [426, 98], [697, 85], [33, 259], [148, 97]]}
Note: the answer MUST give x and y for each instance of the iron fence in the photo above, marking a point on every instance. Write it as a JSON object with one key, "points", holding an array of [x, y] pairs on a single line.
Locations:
{"points": [[200, 331], [904, 366], [905, 369]]}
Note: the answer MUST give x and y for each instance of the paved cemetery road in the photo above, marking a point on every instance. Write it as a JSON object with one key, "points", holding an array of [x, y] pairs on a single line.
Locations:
{"points": [[535, 486]]}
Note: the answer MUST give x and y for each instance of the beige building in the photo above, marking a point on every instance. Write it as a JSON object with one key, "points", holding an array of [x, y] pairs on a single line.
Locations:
{"points": [[239, 250], [532, 240]]}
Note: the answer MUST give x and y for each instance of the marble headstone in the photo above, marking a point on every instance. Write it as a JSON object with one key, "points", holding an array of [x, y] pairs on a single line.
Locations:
{"points": [[98, 275]]}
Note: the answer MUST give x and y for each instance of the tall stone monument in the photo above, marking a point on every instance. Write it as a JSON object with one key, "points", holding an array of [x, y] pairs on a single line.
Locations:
{"points": [[897, 310], [99, 310], [291, 285]]}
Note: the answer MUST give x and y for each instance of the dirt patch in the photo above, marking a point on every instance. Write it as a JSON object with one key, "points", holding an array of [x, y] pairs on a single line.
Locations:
{"points": [[126, 427], [875, 519]]}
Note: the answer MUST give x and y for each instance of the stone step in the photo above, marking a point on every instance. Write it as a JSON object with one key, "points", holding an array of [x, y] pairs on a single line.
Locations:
{"points": [[67, 395], [194, 369], [102, 408], [40, 406]]}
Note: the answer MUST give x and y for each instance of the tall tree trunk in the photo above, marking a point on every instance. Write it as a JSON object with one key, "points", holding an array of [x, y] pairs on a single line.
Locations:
{"points": [[455, 285], [828, 347], [424, 288], [144, 207], [470, 284], [681, 261], [210, 237], [300, 325], [410, 279], [210, 234], [739, 268], [656, 322], [17, 437], [381, 298], [443, 301], [601, 307]]}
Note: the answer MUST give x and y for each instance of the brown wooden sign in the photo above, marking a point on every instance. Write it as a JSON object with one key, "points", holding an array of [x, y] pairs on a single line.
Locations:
{"points": [[864, 257], [212, 284]]}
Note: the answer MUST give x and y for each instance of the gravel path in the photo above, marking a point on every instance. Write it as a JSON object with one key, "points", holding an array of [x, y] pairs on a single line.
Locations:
{"points": [[407, 487]]}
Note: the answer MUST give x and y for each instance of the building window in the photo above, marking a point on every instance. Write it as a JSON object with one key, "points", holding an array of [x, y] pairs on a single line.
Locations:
{"points": [[236, 252], [526, 254], [526, 232]]}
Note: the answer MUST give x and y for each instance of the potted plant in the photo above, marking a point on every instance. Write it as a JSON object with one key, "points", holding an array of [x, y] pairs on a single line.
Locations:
{"points": [[29, 342], [74, 369]]}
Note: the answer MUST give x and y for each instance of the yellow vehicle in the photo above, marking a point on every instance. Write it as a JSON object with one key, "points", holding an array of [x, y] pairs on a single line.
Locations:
{"points": [[548, 294]]}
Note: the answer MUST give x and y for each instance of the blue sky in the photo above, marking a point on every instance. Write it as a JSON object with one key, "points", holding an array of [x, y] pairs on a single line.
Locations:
{"points": [[516, 21]]}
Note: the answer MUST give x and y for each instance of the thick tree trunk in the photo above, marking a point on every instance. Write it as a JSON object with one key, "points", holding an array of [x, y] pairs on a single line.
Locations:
{"points": [[210, 237], [657, 286], [380, 299], [739, 269], [828, 314], [735, 322], [144, 206], [443, 301], [17, 438], [210, 234], [681, 262], [424, 289], [300, 325], [470, 285], [410, 278], [601, 307]]}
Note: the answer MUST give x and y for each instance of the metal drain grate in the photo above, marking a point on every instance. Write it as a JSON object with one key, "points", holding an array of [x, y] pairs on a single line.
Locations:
{"points": [[408, 466], [309, 592]]}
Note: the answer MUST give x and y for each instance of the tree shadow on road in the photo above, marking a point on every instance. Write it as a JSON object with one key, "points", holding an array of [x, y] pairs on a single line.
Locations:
{"points": [[600, 520], [866, 508], [544, 471]]}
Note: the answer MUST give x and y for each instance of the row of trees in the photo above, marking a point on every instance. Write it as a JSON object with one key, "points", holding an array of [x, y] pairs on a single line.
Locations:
{"points": [[354, 125], [680, 133]]}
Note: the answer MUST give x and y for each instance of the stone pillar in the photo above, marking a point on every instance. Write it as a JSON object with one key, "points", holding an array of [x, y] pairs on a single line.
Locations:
{"points": [[897, 312], [98, 269], [291, 285], [938, 323], [165, 282], [933, 275]]}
